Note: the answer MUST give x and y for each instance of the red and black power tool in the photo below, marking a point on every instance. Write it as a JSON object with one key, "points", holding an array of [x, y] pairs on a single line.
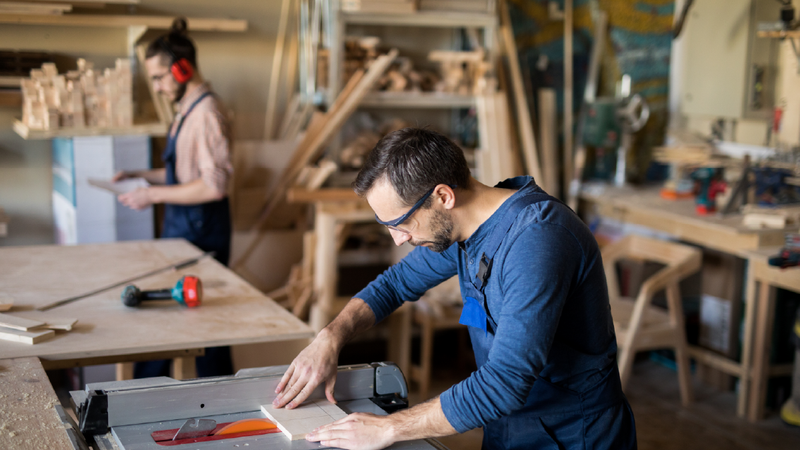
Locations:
{"points": [[188, 291]]}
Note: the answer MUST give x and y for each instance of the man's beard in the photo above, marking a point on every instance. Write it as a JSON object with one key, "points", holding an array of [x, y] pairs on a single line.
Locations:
{"points": [[180, 92], [442, 226]]}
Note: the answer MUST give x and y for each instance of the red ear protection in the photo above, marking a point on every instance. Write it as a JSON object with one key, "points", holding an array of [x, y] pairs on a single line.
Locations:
{"points": [[182, 70]]}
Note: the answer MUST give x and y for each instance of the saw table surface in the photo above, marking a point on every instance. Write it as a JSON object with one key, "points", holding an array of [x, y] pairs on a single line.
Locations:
{"points": [[28, 418], [232, 311]]}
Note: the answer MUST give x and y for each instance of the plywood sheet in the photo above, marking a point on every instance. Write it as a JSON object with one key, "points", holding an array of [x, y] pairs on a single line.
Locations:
{"points": [[297, 423]]}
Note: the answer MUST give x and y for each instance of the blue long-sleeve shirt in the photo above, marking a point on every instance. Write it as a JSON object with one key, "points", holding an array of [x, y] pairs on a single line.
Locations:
{"points": [[547, 292]]}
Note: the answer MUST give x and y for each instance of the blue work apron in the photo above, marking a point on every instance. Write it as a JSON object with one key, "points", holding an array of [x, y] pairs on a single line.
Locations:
{"points": [[206, 225], [553, 417]]}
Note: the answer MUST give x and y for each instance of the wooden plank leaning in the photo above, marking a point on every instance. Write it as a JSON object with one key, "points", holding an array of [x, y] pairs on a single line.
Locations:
{"points": [[520, 100], [318, 135]]}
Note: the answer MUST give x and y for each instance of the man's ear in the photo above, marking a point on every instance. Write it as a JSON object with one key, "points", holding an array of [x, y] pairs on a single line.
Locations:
{"points": [[446, 196]]}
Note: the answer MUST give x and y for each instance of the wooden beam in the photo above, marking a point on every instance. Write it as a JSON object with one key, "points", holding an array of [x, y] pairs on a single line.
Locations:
{"points": [[548, 140], [525, 124], [567, 95], [102, 20], [274, 79]]}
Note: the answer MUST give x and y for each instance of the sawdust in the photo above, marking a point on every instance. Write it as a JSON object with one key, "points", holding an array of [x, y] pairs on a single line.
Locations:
{"points": [[28, 418]]}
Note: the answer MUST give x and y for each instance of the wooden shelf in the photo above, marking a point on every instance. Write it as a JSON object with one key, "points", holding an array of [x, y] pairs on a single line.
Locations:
{"points": [[152, 129], [10, 98], [427, 100], [100, 20], [441, 19], [779, 34]]}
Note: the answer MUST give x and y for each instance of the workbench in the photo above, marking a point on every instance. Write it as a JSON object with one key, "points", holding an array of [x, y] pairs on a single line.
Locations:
{"points": [[232, 311], [645, 207], [762, 280]]}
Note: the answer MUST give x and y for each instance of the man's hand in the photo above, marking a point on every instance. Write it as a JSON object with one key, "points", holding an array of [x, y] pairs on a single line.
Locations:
{"points": [[138, 199], [316, 364], [357, 431]]}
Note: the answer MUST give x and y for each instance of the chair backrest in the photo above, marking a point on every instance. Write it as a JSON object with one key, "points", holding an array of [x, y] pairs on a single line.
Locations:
{"points": [[680, 260]]}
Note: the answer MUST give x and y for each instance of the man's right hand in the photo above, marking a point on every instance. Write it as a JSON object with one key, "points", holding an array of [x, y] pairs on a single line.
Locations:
{"points": [[316, 364]]}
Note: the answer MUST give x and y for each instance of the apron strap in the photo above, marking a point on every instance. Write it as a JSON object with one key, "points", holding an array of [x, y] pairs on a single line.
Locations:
{"points": [[496, 238], [169, 152]]}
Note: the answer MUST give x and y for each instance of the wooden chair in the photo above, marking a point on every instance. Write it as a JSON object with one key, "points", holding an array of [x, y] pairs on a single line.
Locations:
{"points": [[639, 324]]}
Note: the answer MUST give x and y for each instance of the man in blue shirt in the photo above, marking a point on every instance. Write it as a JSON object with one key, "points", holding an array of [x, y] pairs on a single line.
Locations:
{"points": [[535, 302]]}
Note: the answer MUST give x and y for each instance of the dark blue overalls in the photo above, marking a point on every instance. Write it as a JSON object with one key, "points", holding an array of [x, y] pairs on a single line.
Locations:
{"points": [[553, 417], [207, 226]]}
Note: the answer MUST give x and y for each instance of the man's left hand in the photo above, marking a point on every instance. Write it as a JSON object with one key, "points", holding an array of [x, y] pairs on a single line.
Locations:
{"points": [[138, 199], [360, 431]]}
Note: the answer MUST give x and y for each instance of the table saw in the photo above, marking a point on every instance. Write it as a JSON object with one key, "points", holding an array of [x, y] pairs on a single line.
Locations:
{"points": [[156, 413]]}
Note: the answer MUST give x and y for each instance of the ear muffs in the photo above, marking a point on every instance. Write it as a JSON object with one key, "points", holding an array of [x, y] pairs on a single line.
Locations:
{"points": [[182, 70]]}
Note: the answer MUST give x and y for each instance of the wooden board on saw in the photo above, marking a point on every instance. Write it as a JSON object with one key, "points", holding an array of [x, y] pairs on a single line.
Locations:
{"points": [[298, 422]]}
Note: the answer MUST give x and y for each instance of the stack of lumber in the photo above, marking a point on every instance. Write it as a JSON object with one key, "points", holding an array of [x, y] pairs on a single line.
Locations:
{"points": [[353, 154], [380, 6], [31, 331], [463, 72], [401, 76], [80, 98]]}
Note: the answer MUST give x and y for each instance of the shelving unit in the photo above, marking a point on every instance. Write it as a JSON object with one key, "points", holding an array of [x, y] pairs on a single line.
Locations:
{"points": [[152, 129], [340, 20], [426, 100]]}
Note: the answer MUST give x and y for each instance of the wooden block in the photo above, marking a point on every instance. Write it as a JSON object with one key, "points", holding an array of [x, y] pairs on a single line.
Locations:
{"points": [[6, 303], [64, 324], [25, 337], [18, 323], [297, 423]]}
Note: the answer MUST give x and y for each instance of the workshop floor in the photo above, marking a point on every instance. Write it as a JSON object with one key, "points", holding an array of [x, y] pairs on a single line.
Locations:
{"points": [[661, 423]]}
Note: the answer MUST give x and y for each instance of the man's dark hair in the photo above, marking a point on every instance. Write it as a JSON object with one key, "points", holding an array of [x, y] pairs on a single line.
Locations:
{"points": [[414, 160], [174, 45]]}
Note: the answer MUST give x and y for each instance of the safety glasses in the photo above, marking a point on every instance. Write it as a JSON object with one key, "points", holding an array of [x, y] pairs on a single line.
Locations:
{"points": [[410, 227]]}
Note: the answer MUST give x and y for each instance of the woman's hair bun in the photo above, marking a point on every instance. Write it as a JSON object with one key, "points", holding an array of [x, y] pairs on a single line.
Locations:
{"points": [[178, 27]]}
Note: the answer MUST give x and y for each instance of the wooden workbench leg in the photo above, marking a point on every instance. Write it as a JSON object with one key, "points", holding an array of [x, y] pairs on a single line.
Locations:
{"points": [[325, 266], [399, 345], [761, 351], [124, 371], [747, 343], [184, 368]]}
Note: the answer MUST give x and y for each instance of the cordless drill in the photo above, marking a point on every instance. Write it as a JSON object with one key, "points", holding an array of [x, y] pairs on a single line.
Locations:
{"points": [[188, 291]]}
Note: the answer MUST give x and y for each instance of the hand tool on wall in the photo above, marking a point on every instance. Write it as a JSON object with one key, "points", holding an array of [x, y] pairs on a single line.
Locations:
{"points": [[177, 266], [188, 291]]}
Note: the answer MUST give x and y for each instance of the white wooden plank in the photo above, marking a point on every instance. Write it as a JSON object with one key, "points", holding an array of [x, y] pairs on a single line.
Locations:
{"points": [[25, 337], [297, 423], [18, 323]]}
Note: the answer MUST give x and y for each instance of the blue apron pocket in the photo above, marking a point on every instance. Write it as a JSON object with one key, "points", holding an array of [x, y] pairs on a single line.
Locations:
{"points": [[473, 314]]}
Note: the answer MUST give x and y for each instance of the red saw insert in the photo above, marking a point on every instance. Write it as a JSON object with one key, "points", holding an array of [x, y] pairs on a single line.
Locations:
{"points": [[228, 430]]}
